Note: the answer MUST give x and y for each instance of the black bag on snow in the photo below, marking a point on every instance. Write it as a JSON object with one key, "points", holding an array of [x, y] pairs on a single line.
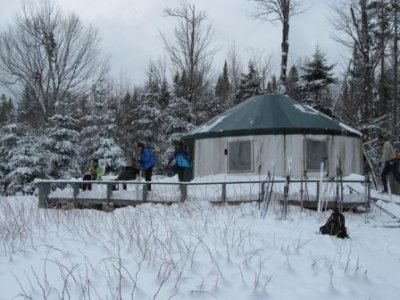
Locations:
{"points": [[335, 226]]}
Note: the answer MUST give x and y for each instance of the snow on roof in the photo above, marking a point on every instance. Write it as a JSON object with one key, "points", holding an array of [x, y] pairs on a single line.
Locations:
{"points": [[307, 109], [207, 126], [348, 128]]}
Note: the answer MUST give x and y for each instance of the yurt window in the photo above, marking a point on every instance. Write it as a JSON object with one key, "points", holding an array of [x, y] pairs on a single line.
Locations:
{"points": [[240, 156], [315, 153]]}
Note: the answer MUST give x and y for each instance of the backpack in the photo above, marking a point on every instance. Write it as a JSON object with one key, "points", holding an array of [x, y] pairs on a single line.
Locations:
{"points": [[335, 226], [182, 161]]}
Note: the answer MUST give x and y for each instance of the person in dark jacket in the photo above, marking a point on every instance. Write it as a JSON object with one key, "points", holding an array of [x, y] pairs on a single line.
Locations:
{"points": [[146, 162], [130, 172], [390, 162], [182, 161]]}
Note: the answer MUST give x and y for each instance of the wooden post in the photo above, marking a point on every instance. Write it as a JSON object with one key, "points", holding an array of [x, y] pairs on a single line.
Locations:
{"points": [[317, 193], [368, 198], [76, 189], [44, 191], [262, 194], [183, 190], [145, 192], [109, 192], [223, 192]]}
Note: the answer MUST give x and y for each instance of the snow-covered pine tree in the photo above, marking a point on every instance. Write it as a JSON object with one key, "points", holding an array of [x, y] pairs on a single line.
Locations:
{"points": [[3, 110], [292, 83], [25, 163], [7, 111], [250, 84], [209, 107], [9, 136], [317, 76], [60, 146], [148, 123], [177, 119], [99, 133], [165, 94]]}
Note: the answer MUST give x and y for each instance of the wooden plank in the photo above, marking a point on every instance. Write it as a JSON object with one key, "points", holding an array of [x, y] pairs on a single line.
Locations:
{"points": [[88, 202], [330, 204]]}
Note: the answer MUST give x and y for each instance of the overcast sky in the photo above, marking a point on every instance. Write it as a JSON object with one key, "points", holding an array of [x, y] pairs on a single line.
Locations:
{"points": [[130, 30]]}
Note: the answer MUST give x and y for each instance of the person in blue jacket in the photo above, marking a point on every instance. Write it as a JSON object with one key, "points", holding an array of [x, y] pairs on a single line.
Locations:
{"points": [[182, 161], [147, 162]]}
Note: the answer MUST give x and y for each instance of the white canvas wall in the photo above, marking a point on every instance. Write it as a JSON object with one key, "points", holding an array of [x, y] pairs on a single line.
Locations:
{"points": [[270, 150]]}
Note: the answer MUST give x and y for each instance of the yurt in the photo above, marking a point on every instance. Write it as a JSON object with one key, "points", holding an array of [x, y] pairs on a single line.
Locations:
{"points": [[274, 132]]}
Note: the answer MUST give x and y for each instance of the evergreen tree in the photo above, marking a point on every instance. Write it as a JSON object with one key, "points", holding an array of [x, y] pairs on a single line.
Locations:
{"points": [[292, 83], [148, 121], [99, 133], [176, 123], [179, 84], [125, 117], [12, 114], [223, 87], [9, 137], [272, 86], [209, 107], [317, 75], [164, 94], [3, 110], [29, 110], [250, 84], [25, 163], [60, 146]]}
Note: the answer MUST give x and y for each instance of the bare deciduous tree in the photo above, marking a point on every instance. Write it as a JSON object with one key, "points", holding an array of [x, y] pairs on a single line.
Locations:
{"points": [[235, 67], [190, 52], [353, 21], [279, 10], [53, 54]]}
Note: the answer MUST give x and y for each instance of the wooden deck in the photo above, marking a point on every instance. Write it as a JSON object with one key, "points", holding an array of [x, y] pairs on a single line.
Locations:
{"points": [[217, 193], [95, 203], [327, 205]]}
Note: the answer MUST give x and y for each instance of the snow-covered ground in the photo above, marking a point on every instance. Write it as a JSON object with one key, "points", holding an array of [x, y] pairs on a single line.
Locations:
{"points": [[194, 250]]}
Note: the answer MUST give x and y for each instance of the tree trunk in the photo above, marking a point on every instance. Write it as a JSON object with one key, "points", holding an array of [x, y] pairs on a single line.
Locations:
{"points": [[382, 88], [395, 66], [191, 55], [368, 70], [285, 44]]}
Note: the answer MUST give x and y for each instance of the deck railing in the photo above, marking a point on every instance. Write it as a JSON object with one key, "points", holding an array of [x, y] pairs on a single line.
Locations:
{"points": [[45, 188]]}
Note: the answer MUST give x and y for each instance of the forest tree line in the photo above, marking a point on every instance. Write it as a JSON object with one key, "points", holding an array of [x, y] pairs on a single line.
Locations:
{"points": [[69, 110]]}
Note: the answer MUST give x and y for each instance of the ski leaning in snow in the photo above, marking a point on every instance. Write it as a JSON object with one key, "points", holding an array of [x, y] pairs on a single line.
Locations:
{"points": [[260, 194], [268, 194], [339, 186], [341, 181], [321, 181], [264, 193], [286, 189]]}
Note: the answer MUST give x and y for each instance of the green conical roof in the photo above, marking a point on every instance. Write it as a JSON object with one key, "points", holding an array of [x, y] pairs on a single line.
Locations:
{"points": [[270, 114]]}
